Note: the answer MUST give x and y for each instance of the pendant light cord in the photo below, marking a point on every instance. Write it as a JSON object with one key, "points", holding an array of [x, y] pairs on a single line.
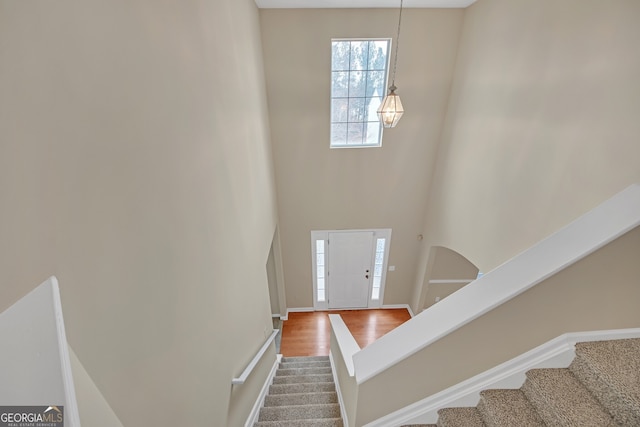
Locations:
{"points": [[395, 60]]}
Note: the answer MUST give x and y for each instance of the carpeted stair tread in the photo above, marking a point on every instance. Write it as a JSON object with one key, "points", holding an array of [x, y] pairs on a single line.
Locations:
{"points": [[325, 422], [459, 417], [300, 399], [561, 400], [297, 412], [305, 359], [506, 408], [303, 371], [309, 378], [317, 387], [316, 364], [611, 371]]}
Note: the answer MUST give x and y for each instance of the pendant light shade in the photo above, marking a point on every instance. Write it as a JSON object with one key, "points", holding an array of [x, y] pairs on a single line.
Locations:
{"points": [[390, 110]]}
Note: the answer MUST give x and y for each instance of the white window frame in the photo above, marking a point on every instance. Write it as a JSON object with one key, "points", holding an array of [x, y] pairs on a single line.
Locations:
{"points": [[323, 235], [381, 95]]}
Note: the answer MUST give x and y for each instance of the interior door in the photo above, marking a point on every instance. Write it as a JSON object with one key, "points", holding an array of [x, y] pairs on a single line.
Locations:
{"points": [[350, 268]]}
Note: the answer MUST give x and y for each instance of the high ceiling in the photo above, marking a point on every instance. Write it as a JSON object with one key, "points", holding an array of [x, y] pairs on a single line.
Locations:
{"points": [[266, 4]]}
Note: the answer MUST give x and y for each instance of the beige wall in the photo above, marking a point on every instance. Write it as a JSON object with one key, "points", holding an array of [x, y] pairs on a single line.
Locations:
{"points": [[135, 166], [323, 189], [542, 124]]}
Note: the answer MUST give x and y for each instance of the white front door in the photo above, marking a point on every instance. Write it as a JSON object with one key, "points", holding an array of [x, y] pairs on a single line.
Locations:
{"points": [[350, 268]]}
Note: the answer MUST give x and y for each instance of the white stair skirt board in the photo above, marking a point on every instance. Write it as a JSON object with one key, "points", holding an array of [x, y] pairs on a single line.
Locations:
{"points": [[255, 411], [557, 353], [343, 411]]}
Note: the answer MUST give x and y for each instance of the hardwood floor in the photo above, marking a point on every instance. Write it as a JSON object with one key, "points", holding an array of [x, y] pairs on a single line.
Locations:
{"points": [[308, 334]]}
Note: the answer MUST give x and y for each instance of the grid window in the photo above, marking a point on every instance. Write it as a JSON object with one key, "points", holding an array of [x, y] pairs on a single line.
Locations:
{"points": [[358, 81], [377, 269], [320, 268]]}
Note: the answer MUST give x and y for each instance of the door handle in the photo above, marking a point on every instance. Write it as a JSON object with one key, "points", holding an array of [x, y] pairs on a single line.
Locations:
{"points": [[366, 276]]}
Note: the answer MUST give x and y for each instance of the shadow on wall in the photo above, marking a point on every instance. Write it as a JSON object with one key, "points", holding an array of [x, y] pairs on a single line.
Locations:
{"points": [[449, 272]]}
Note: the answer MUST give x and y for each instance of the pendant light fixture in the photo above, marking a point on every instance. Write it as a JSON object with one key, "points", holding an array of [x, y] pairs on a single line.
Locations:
{"points": [[391, 109]]}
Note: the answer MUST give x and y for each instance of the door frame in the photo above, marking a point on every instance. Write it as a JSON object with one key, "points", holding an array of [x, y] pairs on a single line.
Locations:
{"points": [[323, 236]]}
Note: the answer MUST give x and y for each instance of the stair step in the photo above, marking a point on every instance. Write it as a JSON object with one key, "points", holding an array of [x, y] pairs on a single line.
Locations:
{"points": [[305, 359], [311, 364], [299, 412], [506, 408], [611, 371], [309, 378], [317, 387], [459, 417], [303, 371], [561, 400], [325, 422], [300, 399]]}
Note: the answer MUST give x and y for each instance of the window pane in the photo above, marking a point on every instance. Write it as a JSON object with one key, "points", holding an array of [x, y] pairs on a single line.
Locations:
{"points": [[376, 281], [377, 270], [320, 246], [356, 109], [340, 84], [357, 83], [372, 133], [380, 245], [320, 295], [320, 260], [354, 133], [339, 108], [339, 133], [340, 55], [378, 54], [379, 257], [375, 293], [359, 55], [320, 284], [375, 83]]}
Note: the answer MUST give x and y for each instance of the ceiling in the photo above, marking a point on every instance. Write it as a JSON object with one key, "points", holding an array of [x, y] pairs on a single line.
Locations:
{"points": [[274, 4]]}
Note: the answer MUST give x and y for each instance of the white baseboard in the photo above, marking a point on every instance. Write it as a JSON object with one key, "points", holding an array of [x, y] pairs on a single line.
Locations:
{"points": [[255, 411], [343, 411], [396, 306], [296, 310], [557, 353]]}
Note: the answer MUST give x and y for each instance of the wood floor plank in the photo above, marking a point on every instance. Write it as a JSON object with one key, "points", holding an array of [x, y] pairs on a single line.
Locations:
{"points": [[308, 333]]}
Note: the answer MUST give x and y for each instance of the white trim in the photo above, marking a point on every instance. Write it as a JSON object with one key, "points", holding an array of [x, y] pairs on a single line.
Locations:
{"points": [[449, 281], [397, 306], [343, 410], [255, 411], [346, 342], [557, 353], [245, 374], [324, 235], [605, 223], [72, 414]]}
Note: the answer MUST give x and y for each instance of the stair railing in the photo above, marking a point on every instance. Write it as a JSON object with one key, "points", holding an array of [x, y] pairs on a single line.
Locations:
{"points": [[247, 371]]}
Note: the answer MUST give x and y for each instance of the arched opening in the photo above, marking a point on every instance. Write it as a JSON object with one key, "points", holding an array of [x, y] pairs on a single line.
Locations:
{"points": [[447, 272]]}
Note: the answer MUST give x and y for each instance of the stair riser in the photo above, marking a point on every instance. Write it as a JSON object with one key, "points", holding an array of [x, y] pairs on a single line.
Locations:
{"points": [[302, 388], [295, 365], [303, 371], [300, 399], [296, 379], [594, 365], [277, 413]]}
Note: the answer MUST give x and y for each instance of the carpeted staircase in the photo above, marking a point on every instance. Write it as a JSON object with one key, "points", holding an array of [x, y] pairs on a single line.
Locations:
{"points": [[600, 388], [302, 394]]}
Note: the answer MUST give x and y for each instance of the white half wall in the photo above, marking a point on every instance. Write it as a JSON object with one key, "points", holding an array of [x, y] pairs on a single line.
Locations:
{"points": [[35, 369]]}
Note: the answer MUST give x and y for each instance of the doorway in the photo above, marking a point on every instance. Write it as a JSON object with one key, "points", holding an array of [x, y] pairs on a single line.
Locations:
{"points": [[349, 268]]}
